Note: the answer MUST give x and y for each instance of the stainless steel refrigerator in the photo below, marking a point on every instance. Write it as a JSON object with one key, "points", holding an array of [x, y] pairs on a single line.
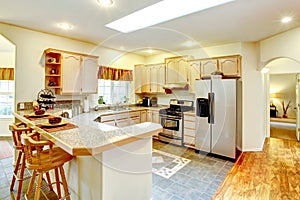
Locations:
{"points": [[218, 116]]}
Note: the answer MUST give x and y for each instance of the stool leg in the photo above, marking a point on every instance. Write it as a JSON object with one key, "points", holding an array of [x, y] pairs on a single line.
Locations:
{"points": [[64, 181], [30, 187], [57, 183], [38, 187], [16, 171], [49, 181], [21, 177]]}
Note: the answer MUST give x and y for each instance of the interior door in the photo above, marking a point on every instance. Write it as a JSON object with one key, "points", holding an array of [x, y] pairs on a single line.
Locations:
{"points": [[297, 106]]}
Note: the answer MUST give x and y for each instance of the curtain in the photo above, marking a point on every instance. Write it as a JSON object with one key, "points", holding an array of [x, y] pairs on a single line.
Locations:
{"points": [[6, 73], [115, 74]]}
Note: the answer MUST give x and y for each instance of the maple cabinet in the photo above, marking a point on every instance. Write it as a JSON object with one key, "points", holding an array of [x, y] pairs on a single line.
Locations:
{"points": [[70, 72], [176, 69], [53, 71], [229, 65], [189, 129], [194, 74], [208, 66], [149, 78], [71, 68], [157, 77]]}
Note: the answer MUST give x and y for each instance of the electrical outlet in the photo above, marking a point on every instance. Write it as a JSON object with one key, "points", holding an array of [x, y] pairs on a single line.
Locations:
{"points": [[22, 106]]}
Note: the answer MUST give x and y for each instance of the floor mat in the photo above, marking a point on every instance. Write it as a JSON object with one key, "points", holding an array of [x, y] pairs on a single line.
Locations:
{"points": [[165, 164], [5, 150]]}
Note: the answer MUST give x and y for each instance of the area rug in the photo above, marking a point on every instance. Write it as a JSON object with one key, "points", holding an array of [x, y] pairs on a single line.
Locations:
{"points": [[165, 164], [5, 150]]}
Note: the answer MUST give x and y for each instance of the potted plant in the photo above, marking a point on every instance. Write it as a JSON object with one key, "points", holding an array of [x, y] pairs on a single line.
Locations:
{"points": [[285, 108]]}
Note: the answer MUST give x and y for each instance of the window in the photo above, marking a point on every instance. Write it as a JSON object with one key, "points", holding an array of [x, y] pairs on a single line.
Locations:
{"points": [[113, 92], [7, 88]]}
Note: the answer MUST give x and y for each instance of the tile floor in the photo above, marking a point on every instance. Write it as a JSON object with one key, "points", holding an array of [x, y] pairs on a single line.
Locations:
{"points": [[198, 180]]}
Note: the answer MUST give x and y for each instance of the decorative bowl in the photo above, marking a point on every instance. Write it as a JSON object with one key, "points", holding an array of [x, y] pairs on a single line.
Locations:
{"points": [[54, 120], [39, 112]]}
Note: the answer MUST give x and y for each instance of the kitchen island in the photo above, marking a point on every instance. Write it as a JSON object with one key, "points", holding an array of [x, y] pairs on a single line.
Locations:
{"points": [[110, 162]]}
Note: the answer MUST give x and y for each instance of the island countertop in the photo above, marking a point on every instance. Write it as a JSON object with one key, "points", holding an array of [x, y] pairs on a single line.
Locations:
{"points": [[90, 137]]}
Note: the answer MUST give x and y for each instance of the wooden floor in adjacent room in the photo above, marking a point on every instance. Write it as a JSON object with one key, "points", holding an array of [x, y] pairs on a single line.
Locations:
{"points": [[283, 130], [271, 174]]}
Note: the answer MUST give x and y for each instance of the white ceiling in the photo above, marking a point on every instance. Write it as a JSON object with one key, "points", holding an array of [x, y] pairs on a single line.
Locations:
{"points": [[238, 21]]}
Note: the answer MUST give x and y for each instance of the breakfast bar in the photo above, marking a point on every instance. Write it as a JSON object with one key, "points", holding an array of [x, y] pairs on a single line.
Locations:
{"points": [[109, 163]]}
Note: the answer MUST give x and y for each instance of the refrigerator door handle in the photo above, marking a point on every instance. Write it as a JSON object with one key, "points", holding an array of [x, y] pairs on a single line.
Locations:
{"points": [[211, 99]]}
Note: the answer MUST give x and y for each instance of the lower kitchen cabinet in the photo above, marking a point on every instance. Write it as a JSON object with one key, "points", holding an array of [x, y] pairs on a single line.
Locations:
{"points": [[121, 119], [189, 125], [153, 116], [143, 116]]}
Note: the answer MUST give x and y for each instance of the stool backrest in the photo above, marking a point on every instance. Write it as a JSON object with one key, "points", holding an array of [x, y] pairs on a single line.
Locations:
{"points": [[17, 130], [38, 153]]}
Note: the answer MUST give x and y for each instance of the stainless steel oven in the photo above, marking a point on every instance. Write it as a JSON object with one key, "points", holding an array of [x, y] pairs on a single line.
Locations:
{"points": [[172, 129], [172, 121]]}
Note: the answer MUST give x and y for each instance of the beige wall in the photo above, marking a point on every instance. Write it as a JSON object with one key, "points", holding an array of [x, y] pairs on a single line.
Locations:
{"points": [[7, 59], [30, 46]]}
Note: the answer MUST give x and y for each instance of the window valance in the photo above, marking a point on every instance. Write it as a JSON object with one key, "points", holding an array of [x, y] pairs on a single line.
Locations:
{"points": [[6, 73], [110, 73]]}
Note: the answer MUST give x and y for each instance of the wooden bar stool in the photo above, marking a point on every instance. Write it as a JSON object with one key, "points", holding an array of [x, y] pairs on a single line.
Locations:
{"points": [[41, 160], [18, 175]]}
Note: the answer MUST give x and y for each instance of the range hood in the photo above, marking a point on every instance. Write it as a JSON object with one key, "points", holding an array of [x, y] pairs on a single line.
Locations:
{"points": [[176, 86]]}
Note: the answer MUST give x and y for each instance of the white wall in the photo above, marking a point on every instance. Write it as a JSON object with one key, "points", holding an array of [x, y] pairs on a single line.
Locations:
{"points": [[30, 46], [253, 104], [7, 59], [282, 45]]}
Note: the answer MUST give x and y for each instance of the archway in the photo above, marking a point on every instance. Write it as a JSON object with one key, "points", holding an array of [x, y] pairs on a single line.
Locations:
{"points": [[276, 66], [7, 84]]}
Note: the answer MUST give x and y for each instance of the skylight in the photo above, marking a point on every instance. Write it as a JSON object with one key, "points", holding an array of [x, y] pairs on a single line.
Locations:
{"points": [[160, 12]]}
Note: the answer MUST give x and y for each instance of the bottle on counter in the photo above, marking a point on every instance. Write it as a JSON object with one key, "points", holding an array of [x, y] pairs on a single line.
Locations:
{"points": [[86, 106]]}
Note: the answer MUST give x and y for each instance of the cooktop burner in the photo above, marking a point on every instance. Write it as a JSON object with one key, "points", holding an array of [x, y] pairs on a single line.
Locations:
{"points": [[177, 107]]}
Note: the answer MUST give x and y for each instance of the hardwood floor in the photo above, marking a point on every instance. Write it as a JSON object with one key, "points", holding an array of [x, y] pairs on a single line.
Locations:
{"points": [[271, 174], [283, 130]]}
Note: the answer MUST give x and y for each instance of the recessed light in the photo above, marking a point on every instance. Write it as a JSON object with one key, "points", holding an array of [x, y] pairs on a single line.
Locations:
{"points": [[286, 19], [65, 26], [160, 12], [105, 2], [150, 51], [189, 43]]}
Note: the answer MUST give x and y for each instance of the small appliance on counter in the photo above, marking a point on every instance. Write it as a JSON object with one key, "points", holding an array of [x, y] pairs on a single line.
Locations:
{"points": [[154, 102], [146, 102]]}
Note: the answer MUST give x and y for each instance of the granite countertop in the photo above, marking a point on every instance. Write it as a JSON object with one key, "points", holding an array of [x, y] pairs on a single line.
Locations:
{"points": [[91, 137]]}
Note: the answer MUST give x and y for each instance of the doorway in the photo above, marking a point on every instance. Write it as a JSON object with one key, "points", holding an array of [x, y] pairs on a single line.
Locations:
{"points": [[7, 84], [282, 98]]}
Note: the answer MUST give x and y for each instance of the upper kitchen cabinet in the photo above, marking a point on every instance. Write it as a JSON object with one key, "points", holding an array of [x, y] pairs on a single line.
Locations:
{"points": [[89, 75], [157, 75], [76, 73], [71, 67], [193, 74], [53, 71], [207, 67], [229, 65], [176, 69], [149, 78]]}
